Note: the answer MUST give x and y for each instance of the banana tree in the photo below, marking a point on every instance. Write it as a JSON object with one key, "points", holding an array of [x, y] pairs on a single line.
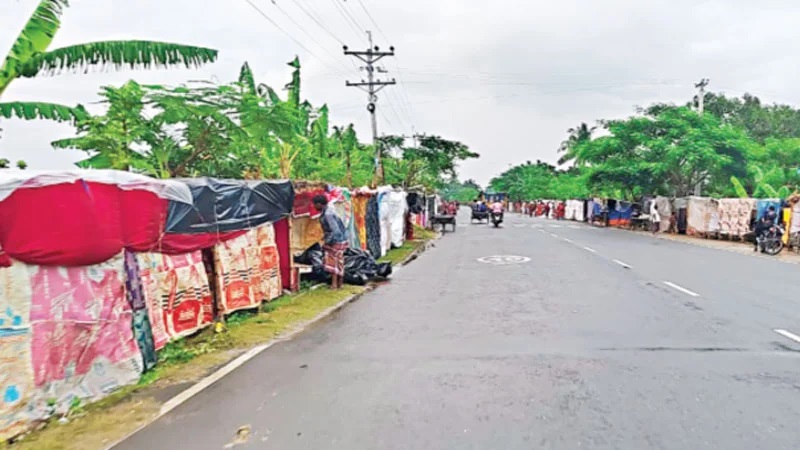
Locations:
{"points": [[31, 56]]}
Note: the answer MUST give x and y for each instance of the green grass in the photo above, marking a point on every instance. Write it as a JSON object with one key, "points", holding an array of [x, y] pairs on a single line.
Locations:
{"points": [[186, 360]]}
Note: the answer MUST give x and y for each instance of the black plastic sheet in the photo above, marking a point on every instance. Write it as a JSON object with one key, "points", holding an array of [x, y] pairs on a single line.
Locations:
{"points": [[359, 266], [230, 205]]}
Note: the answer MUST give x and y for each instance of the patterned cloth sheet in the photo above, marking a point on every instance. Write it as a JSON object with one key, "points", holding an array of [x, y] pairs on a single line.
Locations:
{"points": [[66, 334], [247, 270]]}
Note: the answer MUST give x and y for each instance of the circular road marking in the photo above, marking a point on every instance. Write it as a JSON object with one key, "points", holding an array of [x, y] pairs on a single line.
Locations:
{"points": [[504, 260]]}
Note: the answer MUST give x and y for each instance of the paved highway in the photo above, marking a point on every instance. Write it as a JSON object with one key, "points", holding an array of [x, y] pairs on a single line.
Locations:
{"points": [[603, 339]]}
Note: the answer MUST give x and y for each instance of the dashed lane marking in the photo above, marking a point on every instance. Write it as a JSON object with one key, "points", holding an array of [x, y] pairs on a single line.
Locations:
{"points": [[788, 334], [682, 289], [589, 249], [623, 264]]}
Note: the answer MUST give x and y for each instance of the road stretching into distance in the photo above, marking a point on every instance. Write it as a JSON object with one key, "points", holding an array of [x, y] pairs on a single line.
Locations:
{"points": [[604, 339]]}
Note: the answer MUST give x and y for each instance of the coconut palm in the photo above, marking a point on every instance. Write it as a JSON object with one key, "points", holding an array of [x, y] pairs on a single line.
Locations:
{"points": [[577, 135], [30, 57]]}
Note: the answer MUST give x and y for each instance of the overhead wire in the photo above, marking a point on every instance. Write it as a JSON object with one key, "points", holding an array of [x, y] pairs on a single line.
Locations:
{"points": [[292, 38], [360, 33], [401, 98], [313, 17]]}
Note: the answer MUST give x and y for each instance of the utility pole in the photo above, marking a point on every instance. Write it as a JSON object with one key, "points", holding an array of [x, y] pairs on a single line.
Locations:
{"points": [[372, 86], [701, 94], [701, 97]]}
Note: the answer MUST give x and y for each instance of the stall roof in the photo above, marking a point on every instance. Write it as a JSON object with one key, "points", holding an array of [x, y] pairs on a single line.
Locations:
{"points": [[229, 205]]}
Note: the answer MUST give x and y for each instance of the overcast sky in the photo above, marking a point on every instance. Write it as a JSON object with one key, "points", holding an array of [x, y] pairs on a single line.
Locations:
{"points": [[505, 77]]}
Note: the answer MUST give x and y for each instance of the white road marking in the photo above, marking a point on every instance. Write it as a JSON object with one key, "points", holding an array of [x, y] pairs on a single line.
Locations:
{"points": [[682, 289], [623, 264], [575, 227], [541, 230], [590, 249], [554, 235], [568, 240], [555, 226], [788, 334]]}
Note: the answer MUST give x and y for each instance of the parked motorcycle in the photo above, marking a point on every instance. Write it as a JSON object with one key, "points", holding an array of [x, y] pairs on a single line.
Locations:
{"points": [[497, 219], [771, 241]]}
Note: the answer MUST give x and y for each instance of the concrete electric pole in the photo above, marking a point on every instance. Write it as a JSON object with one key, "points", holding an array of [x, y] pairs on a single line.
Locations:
{"points": [[701, 94], [701, 97], [372, 86]]}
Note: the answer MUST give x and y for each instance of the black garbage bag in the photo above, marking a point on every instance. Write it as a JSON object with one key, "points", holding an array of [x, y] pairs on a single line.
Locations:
{"points": [[384, 270], [360, 267], [313, 257]]}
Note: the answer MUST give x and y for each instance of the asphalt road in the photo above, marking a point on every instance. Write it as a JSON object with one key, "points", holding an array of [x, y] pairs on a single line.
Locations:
{"points": [[603, 340]]}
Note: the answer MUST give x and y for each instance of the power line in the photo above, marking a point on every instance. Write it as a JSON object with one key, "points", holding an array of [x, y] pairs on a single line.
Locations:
{"points": [[316, 20], [404, 102], [369, 16], [300, 44], [344, 15], [313, 39]]}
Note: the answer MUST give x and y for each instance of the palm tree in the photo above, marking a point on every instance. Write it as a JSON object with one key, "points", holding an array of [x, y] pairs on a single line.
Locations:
{"points": [[29, 57], [578, 135]]}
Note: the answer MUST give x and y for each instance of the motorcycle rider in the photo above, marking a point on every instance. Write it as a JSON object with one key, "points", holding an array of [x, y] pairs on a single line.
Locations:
{"points": [[497, 208], [763, 225]]}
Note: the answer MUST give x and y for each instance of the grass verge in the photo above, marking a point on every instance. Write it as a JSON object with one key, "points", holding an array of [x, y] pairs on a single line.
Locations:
{"points": [[398, 255], [183, 362]]}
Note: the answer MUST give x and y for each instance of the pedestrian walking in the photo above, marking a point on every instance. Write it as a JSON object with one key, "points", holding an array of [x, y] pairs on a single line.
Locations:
{"points": [[655, 218], [335, 241]]}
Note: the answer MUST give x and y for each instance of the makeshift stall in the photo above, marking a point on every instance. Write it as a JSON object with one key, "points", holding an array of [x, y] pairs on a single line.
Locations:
{"points": [[702, 216], [735, 216]]}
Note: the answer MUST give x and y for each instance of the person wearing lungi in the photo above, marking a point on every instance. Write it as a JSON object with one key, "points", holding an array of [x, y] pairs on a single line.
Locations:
{"points": [[335, 237]]}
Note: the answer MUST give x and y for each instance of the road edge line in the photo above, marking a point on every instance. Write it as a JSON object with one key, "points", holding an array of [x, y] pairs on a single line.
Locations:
{"points": [[787, 334]]}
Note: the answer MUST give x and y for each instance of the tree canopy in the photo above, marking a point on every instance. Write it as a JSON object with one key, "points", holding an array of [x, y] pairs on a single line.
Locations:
{"points": [[737, 147]]}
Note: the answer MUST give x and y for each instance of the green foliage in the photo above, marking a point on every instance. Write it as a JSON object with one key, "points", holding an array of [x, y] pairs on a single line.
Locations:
{"points": [[30, 55], [737, 148], [40, 110], [464, 192], [246, 130]]}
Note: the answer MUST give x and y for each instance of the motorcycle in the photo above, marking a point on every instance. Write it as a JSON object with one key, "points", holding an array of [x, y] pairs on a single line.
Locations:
{"points": [[497, 219], [771, 241]]}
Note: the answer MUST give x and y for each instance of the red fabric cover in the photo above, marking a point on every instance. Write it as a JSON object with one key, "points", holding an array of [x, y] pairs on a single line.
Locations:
{"points": [[283, 242], [70, 224], [302, 202], [86, 223]]}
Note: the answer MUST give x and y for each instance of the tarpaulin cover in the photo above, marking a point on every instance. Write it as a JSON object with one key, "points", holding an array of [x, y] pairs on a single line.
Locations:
{"points": [[230, 205], [80, 223], [66, 334], [620, 214], [247, 270], [701, 213], [83, 218], [734, 215], [177, 294], [360, 216]]}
